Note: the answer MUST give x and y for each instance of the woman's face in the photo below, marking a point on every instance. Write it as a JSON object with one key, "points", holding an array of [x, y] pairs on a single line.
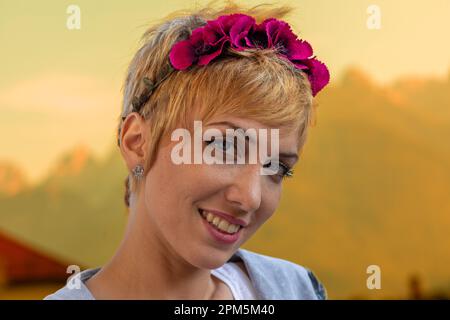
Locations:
{"points": [[175, 195]]}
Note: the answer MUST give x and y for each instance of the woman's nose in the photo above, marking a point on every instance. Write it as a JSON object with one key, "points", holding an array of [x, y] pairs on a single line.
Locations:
{"points": [[245, 190]]}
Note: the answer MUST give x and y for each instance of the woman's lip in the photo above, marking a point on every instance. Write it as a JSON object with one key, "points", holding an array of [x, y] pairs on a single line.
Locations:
{"points": [[226, 217], [218, 235]]}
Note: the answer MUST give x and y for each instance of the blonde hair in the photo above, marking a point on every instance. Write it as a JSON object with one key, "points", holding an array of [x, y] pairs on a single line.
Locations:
{"points": [[255, 83]]}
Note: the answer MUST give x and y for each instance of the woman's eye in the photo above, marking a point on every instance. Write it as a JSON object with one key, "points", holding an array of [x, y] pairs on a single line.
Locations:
{"points": [[284, 171]]}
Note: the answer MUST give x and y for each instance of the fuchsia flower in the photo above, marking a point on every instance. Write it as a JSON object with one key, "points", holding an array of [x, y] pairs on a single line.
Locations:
{"points": [[241, 32]]}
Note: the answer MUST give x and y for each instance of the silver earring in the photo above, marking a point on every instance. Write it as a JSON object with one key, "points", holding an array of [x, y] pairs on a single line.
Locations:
{"points": [[138, 171]]}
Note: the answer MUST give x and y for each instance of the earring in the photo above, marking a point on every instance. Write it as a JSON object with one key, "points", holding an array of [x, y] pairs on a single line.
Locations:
{"points": [[138, 171]]}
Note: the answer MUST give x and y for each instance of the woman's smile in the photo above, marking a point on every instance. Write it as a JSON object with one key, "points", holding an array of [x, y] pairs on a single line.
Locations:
{"points": [[220, 229]]}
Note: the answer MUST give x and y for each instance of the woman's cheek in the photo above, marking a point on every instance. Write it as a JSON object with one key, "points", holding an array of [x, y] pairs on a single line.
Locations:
{"points": [[271, 199]]}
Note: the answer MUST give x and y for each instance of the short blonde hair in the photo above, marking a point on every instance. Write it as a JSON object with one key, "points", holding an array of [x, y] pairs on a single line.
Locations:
{"points": [[254, 83]]}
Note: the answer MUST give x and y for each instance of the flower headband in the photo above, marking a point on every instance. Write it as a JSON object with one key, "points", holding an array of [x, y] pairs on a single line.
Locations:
{"points": [[240, 32]]}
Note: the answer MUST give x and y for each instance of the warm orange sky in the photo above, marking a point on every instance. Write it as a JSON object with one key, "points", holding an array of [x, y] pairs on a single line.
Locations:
{"points": [[61, 87]]}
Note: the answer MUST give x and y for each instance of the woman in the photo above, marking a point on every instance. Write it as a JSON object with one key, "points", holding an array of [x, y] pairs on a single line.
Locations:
{"points": [[229, 68]]}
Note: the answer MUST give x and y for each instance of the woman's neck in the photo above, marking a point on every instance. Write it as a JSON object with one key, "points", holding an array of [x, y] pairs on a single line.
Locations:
{"points": [[144, 267]]}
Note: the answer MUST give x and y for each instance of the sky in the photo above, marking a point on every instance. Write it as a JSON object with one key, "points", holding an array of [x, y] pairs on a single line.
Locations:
{"points": [[60, 88]]}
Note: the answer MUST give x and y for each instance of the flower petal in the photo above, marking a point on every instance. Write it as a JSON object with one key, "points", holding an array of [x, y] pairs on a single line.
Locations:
{"points": [[260, 35], [299, 50], [213, 33], [205, 59], [284, 33], [196, 37], [300, 66], [182, 55], [319, 75], [249, 42], [271, 31], [240, 30], [228, 21]]}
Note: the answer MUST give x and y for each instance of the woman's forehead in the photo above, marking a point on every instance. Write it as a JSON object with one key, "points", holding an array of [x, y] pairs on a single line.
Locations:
{"points": [[239, 120], [235, 122]]}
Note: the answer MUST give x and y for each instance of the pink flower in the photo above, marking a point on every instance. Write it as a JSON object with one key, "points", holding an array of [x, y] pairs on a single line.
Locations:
{"points": [[203, 46], [275, 33], [318, 74], [241, 32], [207, 42], [242, 26]]}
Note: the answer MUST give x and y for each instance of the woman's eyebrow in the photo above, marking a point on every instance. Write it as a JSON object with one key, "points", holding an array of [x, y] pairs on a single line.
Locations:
{"points": [[230, 124]]}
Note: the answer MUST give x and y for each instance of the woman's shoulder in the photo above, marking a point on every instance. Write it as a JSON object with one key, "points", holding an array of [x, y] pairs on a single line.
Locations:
{"points": [[276, 278], [75, 289]]}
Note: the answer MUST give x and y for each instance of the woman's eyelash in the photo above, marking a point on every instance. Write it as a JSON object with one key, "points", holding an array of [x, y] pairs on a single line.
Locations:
{"points": [[289, 172]]}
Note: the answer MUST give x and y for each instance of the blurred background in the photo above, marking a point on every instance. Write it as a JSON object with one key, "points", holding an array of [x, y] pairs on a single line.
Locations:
{"points": [[372, 187]]}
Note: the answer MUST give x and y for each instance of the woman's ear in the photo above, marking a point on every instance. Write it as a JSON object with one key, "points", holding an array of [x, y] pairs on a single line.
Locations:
{"points": [[133, 140]]}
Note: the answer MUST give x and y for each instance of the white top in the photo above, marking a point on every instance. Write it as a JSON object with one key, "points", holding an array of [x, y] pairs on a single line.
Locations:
{"points": [[237, 280]]}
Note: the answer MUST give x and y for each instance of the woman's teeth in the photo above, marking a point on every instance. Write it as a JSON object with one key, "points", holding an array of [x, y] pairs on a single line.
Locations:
{"points": [[220, 223]]}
